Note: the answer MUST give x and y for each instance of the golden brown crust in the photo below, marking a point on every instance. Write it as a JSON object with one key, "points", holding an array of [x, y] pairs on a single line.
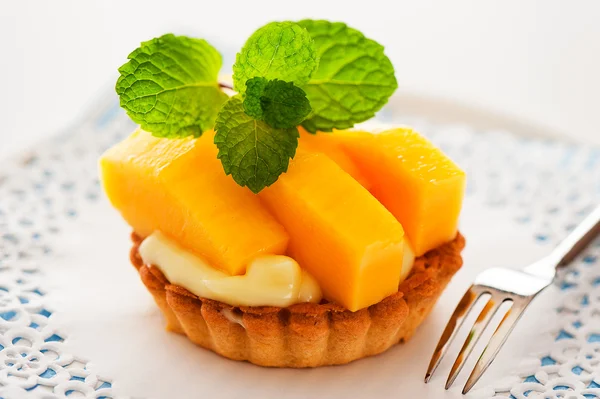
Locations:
{"points": [[306, 334]]}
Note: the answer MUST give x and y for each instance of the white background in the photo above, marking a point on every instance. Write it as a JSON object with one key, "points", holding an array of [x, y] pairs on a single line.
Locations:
{"points": [[532, 66]]}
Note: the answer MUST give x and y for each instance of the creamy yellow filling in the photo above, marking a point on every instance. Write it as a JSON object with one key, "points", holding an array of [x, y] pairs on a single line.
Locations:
{"points": [[408, 260], [270, 280]]}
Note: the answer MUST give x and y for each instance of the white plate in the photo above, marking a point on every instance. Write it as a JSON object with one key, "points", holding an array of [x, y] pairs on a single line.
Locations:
{"points": [[76, 320]]}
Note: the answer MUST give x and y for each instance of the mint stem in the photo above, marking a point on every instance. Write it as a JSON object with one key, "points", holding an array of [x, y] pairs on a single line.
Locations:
{"points": [[225, 86]]}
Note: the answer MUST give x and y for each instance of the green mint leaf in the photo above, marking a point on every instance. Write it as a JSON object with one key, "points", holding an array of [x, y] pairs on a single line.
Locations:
{"points": [[169, 86], [284, 104], [354, 78], [281, 104], [255, 88], [252, 152], [279, 50]]}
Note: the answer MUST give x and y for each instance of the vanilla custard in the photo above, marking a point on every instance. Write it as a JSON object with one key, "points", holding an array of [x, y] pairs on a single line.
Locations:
{"points": [[270, 280]]}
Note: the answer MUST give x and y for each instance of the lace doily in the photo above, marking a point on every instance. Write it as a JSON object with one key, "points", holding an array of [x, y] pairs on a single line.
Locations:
{"points": [[544, 184]]}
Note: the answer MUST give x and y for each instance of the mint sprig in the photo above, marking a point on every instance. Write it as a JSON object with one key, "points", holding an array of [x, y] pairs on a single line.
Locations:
{"points": [[251, 151], [170, 86], [256, 145], [278, 50], [281, 104], [354, 78], [318, 74]]}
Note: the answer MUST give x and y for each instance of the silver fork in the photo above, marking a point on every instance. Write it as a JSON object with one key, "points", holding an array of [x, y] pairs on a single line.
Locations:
{"points": [[506, 285]]}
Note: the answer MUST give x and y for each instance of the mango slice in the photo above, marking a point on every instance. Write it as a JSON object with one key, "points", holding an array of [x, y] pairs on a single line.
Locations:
{"points": [[338, 231], [332, 148], [415, 181], [179, 188]]}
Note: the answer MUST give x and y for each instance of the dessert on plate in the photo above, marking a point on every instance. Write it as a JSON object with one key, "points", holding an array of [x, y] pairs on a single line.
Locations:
{"points": [[265, 228]]}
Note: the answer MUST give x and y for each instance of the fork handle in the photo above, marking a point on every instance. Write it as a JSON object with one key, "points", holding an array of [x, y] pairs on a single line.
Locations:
{"points": [[570, 247], [578, 239]]}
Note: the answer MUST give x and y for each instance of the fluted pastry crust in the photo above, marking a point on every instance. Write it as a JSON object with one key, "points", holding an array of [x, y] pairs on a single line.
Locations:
{"points": [[305, 334]]}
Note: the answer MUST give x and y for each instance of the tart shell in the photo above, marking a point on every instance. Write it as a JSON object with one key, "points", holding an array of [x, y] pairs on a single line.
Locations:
{"points": [[305, 334]]}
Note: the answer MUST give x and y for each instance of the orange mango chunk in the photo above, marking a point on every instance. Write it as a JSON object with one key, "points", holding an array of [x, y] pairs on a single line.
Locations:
{"points": [[339, 232], [325, 143], [179, 188], [415, 181]]}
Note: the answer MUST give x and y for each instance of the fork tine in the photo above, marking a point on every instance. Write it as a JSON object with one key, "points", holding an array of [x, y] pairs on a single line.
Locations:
{"points": [[484, 318], [491, 350], [454, 324]]}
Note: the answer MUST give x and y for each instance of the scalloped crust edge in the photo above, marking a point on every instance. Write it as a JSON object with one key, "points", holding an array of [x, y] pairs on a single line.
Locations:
{"points": [[305, 334]]}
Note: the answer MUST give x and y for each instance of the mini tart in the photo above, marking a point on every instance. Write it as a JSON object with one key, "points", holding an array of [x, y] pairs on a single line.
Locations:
{"points": [[305, 334]]}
